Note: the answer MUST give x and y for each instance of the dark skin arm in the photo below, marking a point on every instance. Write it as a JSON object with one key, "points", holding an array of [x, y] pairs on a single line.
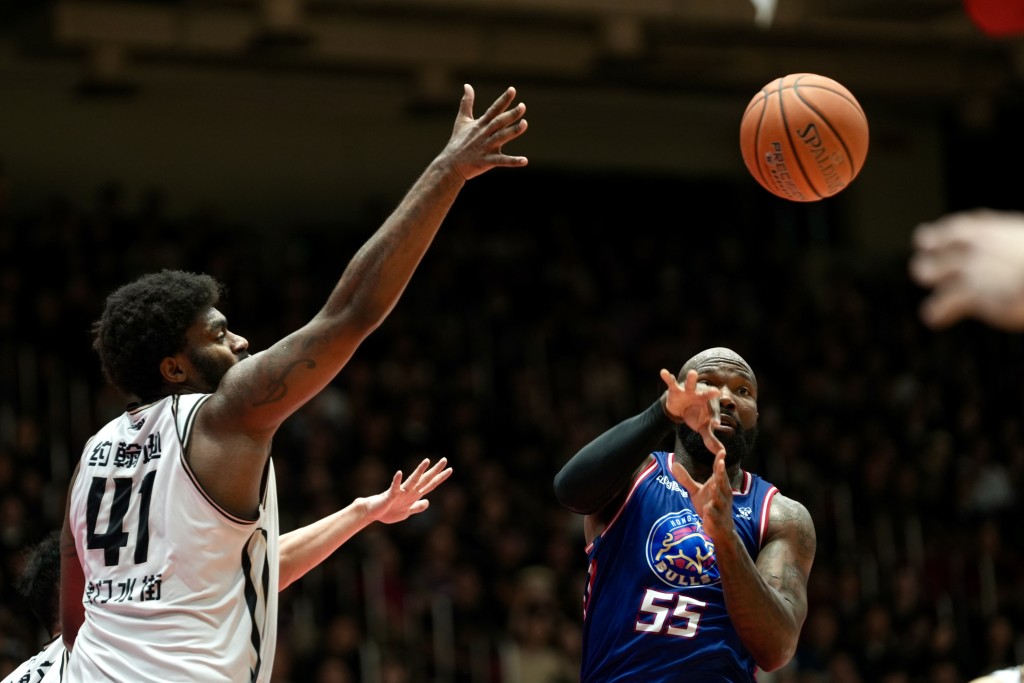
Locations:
{"points": [[235, 426], [766, 599]]}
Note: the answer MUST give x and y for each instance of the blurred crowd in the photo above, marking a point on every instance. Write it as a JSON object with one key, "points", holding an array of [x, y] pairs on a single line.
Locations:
{"points": [[540, 317]]}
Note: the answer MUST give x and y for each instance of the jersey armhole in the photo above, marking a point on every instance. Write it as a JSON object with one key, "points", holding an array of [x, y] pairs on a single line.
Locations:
{"points": [[184, 424]]}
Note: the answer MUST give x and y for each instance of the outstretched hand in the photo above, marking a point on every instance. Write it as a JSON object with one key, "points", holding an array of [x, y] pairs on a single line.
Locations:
{"points": [[403, 500], [696, 405], [712, 500], [475, 145], [973, 262]]}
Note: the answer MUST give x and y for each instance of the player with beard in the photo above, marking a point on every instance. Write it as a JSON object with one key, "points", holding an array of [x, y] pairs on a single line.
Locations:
{"points": [[698, 568], [170, 552]]}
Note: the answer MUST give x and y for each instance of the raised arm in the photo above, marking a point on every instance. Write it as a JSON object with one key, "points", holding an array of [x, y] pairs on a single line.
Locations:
{"points": [[235, 426], [257, 395], [308, 546]]}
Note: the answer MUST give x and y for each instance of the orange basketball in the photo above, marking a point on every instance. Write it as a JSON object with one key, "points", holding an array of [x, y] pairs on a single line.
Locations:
{"points": [[804, 137]]}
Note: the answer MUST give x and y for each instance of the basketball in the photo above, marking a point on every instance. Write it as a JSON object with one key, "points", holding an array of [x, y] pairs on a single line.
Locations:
{"points": [[804, 137]]}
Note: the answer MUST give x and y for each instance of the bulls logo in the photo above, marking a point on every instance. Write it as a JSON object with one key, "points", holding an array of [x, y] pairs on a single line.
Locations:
{"points": [[679, 551]]}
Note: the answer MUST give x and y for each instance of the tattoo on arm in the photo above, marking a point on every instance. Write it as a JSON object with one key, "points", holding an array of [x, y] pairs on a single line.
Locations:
{"points": [[795, 558], [277, 388], [807, 541]]}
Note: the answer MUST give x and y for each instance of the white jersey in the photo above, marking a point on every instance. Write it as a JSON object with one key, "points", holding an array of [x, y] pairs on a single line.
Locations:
{"points": [[176, 588], [1011, 675], [45, 665]]}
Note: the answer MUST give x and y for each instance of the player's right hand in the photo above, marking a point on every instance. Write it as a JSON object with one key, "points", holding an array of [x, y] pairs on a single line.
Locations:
{"points": [[695, 404], [476, 144]]}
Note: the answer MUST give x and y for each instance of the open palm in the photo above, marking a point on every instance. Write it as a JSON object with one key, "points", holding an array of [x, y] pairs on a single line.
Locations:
{"points": [[404, 499]]}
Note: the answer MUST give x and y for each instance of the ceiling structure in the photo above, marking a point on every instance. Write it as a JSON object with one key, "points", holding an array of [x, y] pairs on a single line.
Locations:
{"points": [[902, 49], [173, 93]]}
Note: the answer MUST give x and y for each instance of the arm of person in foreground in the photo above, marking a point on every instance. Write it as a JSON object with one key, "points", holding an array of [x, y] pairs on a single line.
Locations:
{"points": [[308, 546], [973, 264], [766, 598]]}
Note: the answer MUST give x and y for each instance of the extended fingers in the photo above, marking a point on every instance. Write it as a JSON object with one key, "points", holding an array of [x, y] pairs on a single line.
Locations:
{"points": [[438, 466], [503, 129], [690, 381], [396, 483], [436, 481], [420, 468], [509, 120], [704, 390], [509, 131], [499, 122], [684, 478], [435, 475], [421, 474], [723, 479], [932, 269], [466, 104], [720, 498], [940, 254], [501, 104], [476, 144], [945, 307]]}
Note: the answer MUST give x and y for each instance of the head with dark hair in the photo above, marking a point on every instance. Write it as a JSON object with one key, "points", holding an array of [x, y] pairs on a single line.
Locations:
{"points": [[147, 321], [39, 581], [725, 369]]}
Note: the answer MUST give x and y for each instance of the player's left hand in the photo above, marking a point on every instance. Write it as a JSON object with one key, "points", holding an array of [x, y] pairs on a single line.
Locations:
{"points": [[404, 499], [476, 143], [712, 500]]}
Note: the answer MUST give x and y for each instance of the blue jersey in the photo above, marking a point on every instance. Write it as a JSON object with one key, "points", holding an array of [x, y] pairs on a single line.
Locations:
{"points": [[654, 608]]}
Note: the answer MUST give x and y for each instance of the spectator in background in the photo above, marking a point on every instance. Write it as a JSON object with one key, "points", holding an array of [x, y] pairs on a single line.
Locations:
{"points": [[38, 585], [533, 653]]}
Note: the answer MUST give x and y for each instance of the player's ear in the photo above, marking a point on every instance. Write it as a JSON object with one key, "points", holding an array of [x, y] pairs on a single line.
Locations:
{"points": [[172, 370]]}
